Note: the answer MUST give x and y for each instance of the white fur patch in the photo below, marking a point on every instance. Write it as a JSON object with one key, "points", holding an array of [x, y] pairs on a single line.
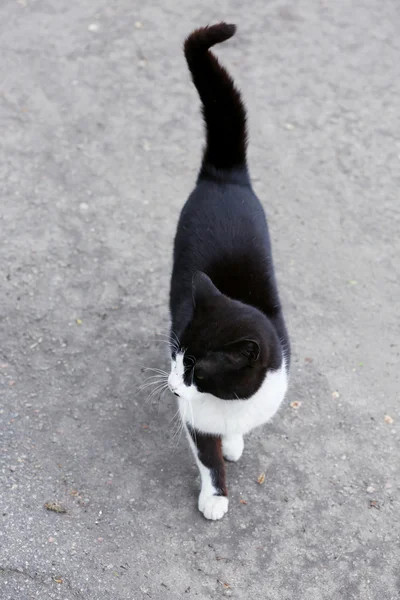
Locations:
{"points": [[175, 379], [232, 447], [213, 507]]}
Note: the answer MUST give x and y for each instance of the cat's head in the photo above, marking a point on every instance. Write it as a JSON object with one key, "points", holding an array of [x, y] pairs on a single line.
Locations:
{"points": [[227, 348]]}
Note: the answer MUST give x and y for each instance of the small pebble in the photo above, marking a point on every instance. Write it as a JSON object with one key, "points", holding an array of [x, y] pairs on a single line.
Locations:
{"points": [[93, 27], [296, 405]]}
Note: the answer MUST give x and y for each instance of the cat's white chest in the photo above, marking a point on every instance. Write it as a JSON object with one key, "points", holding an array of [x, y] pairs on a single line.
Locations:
{"points": [[209, 414]]}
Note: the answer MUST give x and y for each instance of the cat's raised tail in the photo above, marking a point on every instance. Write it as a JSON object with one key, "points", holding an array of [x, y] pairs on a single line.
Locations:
{"points": [[223, 110]]}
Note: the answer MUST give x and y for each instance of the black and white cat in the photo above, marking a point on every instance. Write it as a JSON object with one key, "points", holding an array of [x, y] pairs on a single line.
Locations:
{"points": [[230, 350]]}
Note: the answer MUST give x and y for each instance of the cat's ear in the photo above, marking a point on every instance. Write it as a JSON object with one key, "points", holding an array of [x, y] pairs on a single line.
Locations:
{"points": [[203, 288], [243, 352]]}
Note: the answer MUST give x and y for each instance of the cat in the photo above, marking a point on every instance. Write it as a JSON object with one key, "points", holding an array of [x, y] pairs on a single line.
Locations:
{"points": [[230, 351]]}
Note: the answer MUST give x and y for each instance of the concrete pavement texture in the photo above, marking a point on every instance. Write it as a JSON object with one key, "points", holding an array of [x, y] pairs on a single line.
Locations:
{"points": [[100, 143]]}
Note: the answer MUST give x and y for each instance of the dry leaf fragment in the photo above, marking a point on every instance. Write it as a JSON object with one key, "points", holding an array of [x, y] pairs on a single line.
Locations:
{"points": [[388, 419], [261, 479], [78, 322], [58, 579], [55, 507], [374, 504], [226, 586], [296, 404], [243, 501]]}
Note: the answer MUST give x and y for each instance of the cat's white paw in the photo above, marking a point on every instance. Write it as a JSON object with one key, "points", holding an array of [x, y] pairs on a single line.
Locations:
{"points": [[213, 507], [232, 447]]}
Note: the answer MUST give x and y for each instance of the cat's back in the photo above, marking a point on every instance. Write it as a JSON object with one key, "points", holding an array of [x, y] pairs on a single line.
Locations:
{"points": [[225, 211]]}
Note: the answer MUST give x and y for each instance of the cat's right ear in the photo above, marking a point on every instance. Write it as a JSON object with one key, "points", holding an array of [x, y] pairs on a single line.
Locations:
{"points": [[203, 288]]}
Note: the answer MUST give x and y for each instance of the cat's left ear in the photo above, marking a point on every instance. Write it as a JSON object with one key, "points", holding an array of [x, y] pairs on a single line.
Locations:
{"points": [[203, 288], [243, 352]]}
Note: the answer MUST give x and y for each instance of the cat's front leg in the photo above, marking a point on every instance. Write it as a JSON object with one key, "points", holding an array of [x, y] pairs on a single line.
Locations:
{"points": [[232, 447], [207, 449]]}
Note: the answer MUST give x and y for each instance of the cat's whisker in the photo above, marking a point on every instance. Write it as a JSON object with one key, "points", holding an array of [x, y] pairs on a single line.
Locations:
{"points": [[160, 386], [161, 371], [161, 397], [150, 383], [177, 429], [153, 393], [174, 417], [171, 339], [159, 376], [168, 342], [177, 421], [175, 338], [159, 393], [180, 434], [181, 426]]}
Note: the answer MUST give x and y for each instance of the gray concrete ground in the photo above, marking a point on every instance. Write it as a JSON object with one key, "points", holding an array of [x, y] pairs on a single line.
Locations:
{"points": [[100, 144]]}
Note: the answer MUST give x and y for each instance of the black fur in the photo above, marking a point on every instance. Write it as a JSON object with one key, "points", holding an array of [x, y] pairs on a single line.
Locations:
{"points": [[224, 301]]}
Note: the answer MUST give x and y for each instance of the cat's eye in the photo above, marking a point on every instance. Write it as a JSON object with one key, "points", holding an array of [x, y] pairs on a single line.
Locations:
{"points": [[198, 376]]}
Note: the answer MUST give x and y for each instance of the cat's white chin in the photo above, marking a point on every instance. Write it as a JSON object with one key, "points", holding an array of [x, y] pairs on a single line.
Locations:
{"points": [[213, 507], [212, 415]]}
